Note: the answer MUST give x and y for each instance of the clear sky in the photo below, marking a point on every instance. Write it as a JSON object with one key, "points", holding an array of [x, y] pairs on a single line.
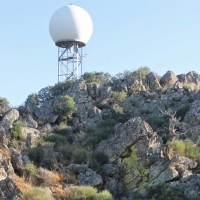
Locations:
{"points": [[161, 34]]}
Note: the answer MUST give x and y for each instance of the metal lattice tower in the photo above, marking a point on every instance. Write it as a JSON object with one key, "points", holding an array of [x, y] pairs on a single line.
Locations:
{"points": [[69, 62]]}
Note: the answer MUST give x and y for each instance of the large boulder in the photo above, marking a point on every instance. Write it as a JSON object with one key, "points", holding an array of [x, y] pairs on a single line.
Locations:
{"points": [[29, 121], [89, 177], [168, 79], [136, 148], [152, 81], [190, 77], [193, 115]]}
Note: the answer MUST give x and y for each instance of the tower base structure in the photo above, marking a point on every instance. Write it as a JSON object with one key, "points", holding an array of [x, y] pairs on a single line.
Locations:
{"points": [[69, 61]]}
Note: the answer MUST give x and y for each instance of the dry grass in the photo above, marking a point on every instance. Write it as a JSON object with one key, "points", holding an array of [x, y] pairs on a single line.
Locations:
{"points": [[22, 185], [191, 86], [5, 152], [60, 193]]}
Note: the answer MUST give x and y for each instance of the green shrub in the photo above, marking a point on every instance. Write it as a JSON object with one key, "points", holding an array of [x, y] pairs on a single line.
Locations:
{"points": [[88, 192], [13, 143], [93, 138], [155, 121], [80, 155], [191, 86], [4, 101], [98, 159], [36, 193], [42, 155], [118, 97], [101, 157], [117, 110], [65, 109], [185, 148], [164, 191], [31, 170], [57, 139], [181, 111], [141, 72], [145, 111], [16, 130], [62, 129], [104, 195], [82, 192], [32, 100], [94, 164]]}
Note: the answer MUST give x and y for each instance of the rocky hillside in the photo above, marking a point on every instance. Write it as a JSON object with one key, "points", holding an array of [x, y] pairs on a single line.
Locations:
{"points": [[131, 137]]}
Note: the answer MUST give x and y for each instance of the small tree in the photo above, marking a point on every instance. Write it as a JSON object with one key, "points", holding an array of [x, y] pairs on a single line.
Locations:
{"points": [[4, 101], [32, 100], [118, 97], [65, 108]]}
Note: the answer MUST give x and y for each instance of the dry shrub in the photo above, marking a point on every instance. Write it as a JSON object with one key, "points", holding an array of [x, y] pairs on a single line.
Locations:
{"points": [[23, 186], [6, 153], [49, 177], [60, 193]]}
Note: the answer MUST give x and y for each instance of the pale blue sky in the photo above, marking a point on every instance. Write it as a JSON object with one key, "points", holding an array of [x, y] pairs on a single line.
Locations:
{"points": [[161, 34]]}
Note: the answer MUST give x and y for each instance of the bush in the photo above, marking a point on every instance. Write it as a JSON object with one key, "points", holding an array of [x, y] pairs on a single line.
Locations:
{"points": [[101, 157], [82, 192], [31, 170], [155, 121], [4, 101], [88, 192], [37, 193], [62, 129], [181, 111], [191, 86], [95, 137], [57, 139], [42, 155], [164, 191], [117, 110], [80, 155], [16, 130], [98, 159], [141, 72], [32, 100], [104, 195], [65, 109], [118, 97], [185, 148]]}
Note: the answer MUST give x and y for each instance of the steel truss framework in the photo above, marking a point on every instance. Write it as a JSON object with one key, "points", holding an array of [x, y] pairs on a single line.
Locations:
{"points": [[69, 63]]}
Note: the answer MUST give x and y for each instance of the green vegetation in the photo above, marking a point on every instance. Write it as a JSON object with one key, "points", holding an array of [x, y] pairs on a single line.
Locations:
{"points": [[16, 130], [191, 86], [182, 110], [155, 121], [31, 171], [87, 192], [118, 97], [80, 155], [57, 139], [185, 148], [42, 155], [37, 193], [98, 159], [164, 191], [117, 110], [4, 101], [32, 100], [97, 77], [65, 109], [141, 72]]}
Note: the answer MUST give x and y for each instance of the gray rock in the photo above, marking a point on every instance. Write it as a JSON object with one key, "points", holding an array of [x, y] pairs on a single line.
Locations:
{"points": [[31, 139], [90, 177], [29, 121], [9, 190], [185, 175], [110, 170], [193, 115], [168, 79], [16, 160], [169, 174], [46, 128], [152, 81]]}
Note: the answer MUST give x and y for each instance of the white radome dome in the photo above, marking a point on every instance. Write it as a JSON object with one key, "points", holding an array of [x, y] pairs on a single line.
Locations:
{"points": [[71, 23]]}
